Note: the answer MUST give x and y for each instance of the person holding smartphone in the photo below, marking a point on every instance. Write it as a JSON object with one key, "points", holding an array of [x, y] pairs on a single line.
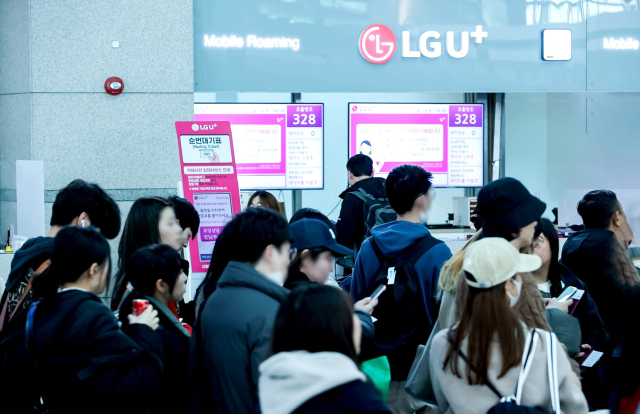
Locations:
{"points": [[553, 278]]}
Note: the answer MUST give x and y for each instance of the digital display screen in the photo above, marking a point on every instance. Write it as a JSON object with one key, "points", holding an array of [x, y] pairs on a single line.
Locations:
{"points": [[215, 212], [445, 139], [277, 146]]}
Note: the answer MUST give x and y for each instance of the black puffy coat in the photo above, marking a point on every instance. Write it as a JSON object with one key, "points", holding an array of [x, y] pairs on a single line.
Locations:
{"points": [[86, 363]]}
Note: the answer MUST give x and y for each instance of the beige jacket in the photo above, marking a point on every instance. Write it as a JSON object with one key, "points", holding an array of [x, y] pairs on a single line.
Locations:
{"points": [[455, 395]]}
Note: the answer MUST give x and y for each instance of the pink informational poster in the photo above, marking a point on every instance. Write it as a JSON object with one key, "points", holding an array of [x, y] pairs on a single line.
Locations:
{"points": [[445, 139], [210, 182]]}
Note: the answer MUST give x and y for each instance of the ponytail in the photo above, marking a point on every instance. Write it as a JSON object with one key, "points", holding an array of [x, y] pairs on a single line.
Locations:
{"points": [[75, 250]]}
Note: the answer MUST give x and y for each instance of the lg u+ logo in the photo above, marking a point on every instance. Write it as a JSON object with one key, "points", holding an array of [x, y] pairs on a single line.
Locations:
{"points": [[377, 43]]}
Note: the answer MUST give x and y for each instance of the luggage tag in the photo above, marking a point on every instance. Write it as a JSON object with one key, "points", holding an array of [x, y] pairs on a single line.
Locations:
{"points": [[391, 276]]}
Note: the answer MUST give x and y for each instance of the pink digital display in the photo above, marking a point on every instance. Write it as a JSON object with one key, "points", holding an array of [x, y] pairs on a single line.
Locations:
{"points": [[277, 146], [445, 139]]}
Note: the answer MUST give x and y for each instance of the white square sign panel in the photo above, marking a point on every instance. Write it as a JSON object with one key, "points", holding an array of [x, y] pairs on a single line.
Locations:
{"points": [[556, 44]]}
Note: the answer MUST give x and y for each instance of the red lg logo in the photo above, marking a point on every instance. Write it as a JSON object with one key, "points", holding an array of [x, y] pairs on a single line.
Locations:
{"points": [[377, 43]]}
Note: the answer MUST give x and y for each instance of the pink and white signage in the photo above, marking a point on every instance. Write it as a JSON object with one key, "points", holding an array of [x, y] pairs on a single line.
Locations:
{"points": [[210, 182], [277, 146], [446, 140]]}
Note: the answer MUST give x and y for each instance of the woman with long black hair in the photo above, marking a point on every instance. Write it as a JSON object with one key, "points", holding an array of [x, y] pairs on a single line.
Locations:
{"points": [[151, 220], [77, 359], [553, 277]]}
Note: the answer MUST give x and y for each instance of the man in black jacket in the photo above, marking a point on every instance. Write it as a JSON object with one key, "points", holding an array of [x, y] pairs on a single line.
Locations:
{"points": [[233, 333], [351, 222], [589, 254]]}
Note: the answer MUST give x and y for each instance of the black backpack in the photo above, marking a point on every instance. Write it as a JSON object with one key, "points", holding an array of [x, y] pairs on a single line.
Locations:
{"points": [[375, 211], [402, 323]]}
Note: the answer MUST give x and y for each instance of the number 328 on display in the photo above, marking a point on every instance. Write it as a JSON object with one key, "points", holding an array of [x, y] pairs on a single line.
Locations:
{"points": [[465, 119], [304, 119]]}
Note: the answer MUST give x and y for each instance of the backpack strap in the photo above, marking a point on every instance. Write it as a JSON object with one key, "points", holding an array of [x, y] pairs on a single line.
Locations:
{"points": [[382, 259], [32, 353], [27, 288], [416, 251]]}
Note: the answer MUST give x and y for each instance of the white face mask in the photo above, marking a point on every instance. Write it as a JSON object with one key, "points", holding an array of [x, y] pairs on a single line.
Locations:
{"points": [[424, 217], [514, 299], [276, 277]]}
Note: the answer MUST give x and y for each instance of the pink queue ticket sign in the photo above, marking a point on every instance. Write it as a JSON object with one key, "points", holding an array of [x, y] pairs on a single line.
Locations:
{"points": [[210, 182]]}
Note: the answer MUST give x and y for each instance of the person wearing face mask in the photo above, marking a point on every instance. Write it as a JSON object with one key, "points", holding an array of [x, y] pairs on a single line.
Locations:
{"points": [[156, 275], [473, 379], [233, 332], [408, 240], [315, 367], [151, 220]]}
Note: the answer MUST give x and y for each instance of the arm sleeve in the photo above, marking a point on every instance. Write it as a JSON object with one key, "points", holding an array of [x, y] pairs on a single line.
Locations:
{"points": [[572, 399], [358, 284], [428, 268], [566, 328], [260, 351], [349, 221], [131, 361], [593, 330]]}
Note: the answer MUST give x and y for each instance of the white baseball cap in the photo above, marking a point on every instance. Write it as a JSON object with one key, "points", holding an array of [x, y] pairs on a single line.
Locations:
{"points": [[493, 260]]}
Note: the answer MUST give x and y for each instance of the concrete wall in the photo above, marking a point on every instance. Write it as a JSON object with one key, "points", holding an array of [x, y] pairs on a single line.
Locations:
{"points": [[55, 56]]}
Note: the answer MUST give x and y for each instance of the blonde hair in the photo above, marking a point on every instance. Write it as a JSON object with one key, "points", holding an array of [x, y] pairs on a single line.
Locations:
{"points": [[451, 269]]}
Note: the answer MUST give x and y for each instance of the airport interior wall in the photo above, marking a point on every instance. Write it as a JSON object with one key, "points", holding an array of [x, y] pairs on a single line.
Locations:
{"points": [[54, 59]]}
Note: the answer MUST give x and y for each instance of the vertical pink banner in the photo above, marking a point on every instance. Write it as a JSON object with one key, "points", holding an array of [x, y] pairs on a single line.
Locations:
{"points": [[210, 182]]}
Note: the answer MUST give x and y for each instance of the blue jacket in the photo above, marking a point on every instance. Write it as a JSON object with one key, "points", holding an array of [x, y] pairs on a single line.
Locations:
{"points": [[393, 238]]}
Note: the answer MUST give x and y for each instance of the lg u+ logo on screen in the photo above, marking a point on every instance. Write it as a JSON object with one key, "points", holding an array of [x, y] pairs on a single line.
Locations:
{"points": [[377, 43]]}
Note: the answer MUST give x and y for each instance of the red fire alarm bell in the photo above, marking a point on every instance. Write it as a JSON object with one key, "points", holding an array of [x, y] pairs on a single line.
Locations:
{"points": [[114, 85]]}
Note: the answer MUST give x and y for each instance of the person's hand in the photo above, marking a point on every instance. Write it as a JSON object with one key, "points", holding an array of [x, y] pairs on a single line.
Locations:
{"points": [[215, 158], [367, 305], [553, 303], [583, 350], [149, 317]]}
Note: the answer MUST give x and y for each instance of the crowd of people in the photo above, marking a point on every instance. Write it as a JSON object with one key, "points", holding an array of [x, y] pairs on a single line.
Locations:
{"points": [[509, 322]]}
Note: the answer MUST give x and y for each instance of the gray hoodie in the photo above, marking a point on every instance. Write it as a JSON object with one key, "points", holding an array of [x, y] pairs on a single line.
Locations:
{"points": [[289, 379]]}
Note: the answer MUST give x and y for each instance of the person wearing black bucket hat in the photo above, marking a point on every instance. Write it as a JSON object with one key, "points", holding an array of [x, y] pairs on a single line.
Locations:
{"points": [[508, 210], [317, 249]]}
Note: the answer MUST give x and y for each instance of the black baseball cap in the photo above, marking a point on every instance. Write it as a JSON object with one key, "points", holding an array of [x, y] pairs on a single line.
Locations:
{"points": [[506, 203], [311, 233]]}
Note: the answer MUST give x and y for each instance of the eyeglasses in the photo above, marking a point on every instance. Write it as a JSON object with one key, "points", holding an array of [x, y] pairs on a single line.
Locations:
{"points": [[293, 252], [539, 241]]}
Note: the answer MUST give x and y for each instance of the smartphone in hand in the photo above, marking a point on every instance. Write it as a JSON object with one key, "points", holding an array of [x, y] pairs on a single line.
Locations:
{"points": [[376, 293]]}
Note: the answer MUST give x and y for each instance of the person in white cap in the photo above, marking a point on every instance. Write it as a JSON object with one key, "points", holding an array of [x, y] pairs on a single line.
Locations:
{"points": [[472, 379]]}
